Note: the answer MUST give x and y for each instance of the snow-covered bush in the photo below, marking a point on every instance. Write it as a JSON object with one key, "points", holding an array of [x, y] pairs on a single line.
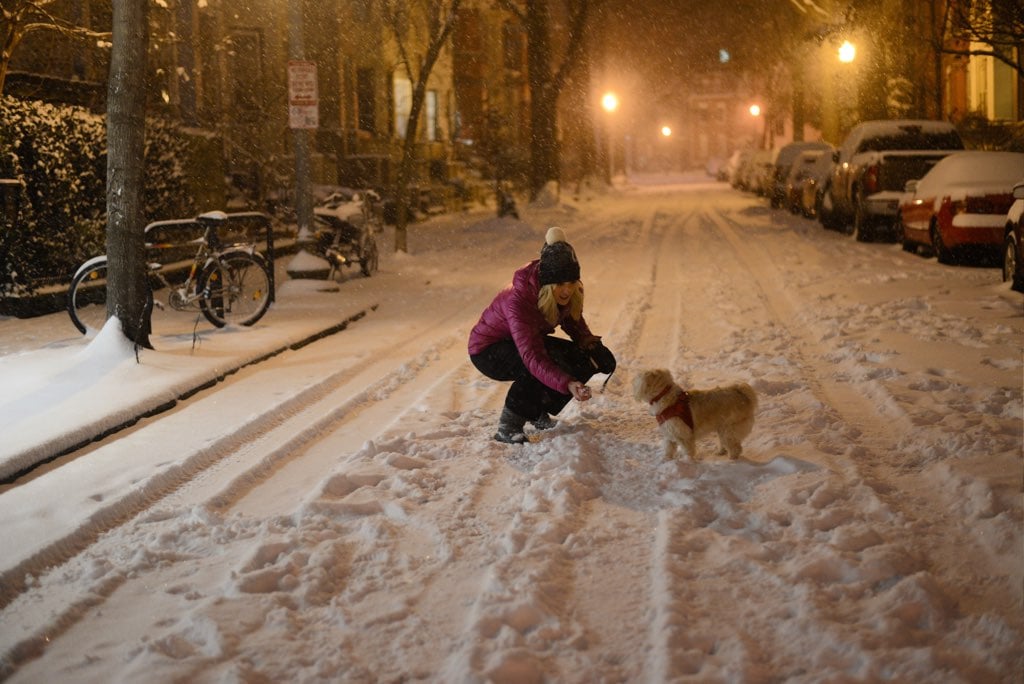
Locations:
{"points": [[59, 153]]}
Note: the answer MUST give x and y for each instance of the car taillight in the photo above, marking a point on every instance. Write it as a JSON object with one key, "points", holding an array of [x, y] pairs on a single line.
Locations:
{"points": [[982, 205], [871, 178]]}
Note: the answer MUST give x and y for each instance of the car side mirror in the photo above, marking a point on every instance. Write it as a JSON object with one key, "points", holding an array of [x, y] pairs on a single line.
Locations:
{"points": [[835, 156], [910, 187]]}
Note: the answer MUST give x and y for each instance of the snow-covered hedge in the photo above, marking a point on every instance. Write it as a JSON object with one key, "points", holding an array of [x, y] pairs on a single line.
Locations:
{"points": [[59, 153]]}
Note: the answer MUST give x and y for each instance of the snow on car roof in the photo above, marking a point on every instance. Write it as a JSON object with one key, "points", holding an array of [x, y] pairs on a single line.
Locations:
{"points": [[972, 174]]}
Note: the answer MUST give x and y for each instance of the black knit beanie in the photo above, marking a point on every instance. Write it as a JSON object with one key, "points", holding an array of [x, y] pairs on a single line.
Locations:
{"points": [[558, 262]]}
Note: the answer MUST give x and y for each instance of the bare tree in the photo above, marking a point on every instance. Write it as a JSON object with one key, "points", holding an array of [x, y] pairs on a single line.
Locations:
{"points": [[426, 24], [18, 18], [546, 78], [989, 28], [126, 132]]}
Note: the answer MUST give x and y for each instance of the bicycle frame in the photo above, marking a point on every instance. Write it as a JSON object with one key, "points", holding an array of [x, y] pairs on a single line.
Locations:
{"points": [[230, 283], [210, 248]]}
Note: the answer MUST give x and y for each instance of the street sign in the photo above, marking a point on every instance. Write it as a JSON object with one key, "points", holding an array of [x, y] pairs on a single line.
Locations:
{"points": [[303, 97]]}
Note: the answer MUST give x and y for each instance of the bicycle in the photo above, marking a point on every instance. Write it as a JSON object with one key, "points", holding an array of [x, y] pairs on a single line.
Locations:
{"points": [[231, 284], [346, 228]]}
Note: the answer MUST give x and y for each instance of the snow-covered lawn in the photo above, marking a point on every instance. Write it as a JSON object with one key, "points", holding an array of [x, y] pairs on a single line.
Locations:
{"points": [[339, 512]]}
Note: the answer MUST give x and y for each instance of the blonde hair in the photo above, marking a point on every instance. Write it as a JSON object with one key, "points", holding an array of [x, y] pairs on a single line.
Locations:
{"points": [[549, 307]]}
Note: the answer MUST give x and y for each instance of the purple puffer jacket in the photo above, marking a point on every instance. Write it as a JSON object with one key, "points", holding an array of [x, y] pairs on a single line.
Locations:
{"points": [[514, 314]]}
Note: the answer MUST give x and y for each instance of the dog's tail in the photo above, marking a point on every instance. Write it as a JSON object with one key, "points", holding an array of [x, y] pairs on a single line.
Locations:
{"points": [[748, 393]]}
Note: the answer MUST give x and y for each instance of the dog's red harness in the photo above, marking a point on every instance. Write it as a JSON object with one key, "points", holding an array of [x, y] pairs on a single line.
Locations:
{"points": [[680, 408]]}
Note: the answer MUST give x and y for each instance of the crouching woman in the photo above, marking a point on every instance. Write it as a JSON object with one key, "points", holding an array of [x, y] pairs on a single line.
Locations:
{"points": [[513, 341]]}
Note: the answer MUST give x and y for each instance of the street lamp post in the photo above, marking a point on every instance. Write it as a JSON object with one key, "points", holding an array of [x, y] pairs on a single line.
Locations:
{"points": [[610, 102], [835, 83], [756, 112]]}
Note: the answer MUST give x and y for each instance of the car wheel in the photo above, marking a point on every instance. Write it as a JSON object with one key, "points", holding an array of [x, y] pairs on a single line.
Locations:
{"points": [[826, 211], [1009, 259], [942, 252], [899, 234], [862, 229]]}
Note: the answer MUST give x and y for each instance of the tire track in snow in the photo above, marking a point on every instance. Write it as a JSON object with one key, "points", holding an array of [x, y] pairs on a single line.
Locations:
{"points": [[267, 435], [874, 430], [522, 608]]}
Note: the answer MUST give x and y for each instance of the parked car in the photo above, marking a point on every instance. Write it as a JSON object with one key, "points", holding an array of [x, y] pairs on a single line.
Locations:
{"points": [[737, 167], [1013, 251], [715, 167], [873, 165], [799, 174], [784, 160], [816, 183], [961, 203], [761, 165]]}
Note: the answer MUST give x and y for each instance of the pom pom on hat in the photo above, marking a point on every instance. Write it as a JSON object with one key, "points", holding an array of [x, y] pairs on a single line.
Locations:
{"points": [[558, 263], [555, 234]]}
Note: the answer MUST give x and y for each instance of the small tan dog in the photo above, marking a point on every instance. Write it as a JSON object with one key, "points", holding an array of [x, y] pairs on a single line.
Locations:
{"points": [[686, 416]]}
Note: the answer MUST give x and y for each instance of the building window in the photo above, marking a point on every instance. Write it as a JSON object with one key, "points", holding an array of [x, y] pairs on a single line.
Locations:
{"points": [[245, 74], [513, 42], [402, 91], [430, 107], [365, 100]]}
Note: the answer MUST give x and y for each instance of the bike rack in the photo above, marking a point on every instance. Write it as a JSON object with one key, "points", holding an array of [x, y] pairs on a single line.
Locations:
{"points": [[256, 218]]}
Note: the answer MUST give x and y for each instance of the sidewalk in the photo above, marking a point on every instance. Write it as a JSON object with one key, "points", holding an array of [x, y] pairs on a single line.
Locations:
{"points": [[62, 390]]}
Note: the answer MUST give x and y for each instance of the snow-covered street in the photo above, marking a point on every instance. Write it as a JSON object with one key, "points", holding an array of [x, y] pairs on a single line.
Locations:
{"points": [[339, 512]]}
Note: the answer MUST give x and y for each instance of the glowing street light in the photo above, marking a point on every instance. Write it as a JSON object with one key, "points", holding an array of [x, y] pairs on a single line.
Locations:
{"points": [[847, 52], [610, 102], [666, 131], [756, 112]]}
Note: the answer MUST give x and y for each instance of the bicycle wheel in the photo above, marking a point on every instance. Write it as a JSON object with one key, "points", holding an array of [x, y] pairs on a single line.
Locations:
{"points": [[87, 296], [370, 258], [234, 289]]}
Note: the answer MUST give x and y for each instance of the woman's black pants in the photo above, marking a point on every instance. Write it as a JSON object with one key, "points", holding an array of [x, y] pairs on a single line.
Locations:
{"points": [[528, 396]]}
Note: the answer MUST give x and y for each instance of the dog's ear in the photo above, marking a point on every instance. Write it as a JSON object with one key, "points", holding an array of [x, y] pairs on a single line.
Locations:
{"points": [[664, 376]]}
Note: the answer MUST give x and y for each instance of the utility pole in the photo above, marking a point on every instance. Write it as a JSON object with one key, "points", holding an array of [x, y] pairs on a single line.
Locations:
{"points": [[300, 131]]}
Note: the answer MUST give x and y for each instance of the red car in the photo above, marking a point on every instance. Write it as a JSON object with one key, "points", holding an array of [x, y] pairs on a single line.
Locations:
{"points": [[960, 203], [1013, 249]]}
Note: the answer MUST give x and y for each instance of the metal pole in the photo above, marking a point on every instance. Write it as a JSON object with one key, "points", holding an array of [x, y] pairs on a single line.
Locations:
{"points": [[300, 137], [611, 153]]}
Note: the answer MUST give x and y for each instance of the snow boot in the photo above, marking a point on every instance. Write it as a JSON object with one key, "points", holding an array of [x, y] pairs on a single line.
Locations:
{"points": [[510, 428], [545, 422]]}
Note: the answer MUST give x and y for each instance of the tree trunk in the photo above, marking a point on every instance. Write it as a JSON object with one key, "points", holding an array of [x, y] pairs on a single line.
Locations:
{"points": [[439, 29], [544, 151], [405, 170], [126, 130], [543, 101], [546, 84]]}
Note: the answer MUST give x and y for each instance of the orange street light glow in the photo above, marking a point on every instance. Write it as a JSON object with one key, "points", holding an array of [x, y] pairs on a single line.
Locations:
{"points": [[847, 52]]}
